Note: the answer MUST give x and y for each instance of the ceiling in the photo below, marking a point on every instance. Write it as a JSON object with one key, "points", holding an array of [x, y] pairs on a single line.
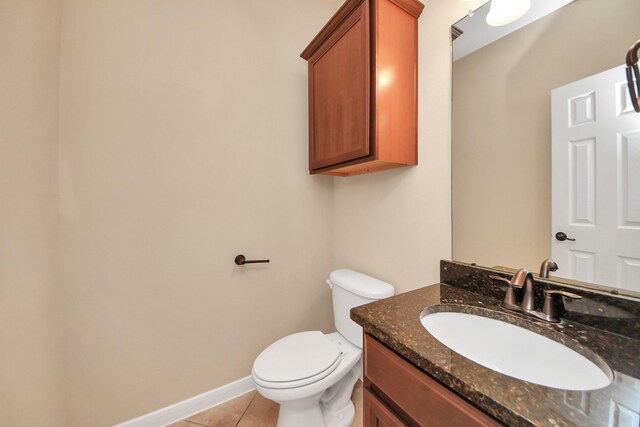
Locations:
{"points": [[484, 34]]}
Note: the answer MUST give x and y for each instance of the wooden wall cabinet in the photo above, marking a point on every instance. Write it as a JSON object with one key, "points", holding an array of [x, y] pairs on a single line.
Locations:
{"points": [[363, 85], [399, 394]]}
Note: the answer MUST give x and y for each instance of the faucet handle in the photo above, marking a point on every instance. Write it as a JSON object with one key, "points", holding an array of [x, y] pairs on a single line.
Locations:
{"points": [[517, 281], [503, 279], [509, 297], [549, 308], [563, 293]]}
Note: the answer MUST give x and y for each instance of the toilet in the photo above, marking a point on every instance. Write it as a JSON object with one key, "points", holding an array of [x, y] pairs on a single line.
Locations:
{"points": [[311, 374]]}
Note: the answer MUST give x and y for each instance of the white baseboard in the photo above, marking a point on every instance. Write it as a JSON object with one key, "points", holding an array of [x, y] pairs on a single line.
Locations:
{"points": [[192, 406]]}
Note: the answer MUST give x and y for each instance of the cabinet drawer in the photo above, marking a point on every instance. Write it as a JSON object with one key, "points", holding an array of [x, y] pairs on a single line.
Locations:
{"points": [[420, 397]]}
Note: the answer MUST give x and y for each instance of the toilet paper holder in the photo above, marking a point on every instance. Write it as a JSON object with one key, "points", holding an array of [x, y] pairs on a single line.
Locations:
{"points": [[241, 260]]}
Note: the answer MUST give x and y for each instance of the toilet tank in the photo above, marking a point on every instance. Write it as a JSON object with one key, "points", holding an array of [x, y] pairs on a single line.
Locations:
{"points": [[351, 289]]}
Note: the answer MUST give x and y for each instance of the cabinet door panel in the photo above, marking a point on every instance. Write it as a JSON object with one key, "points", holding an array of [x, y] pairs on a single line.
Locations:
{"points": [[422, 398], [376, 414], [339, 94]]}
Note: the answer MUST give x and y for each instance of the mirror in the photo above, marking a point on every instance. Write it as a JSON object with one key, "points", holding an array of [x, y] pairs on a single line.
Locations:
{"points": [[545, 143]]}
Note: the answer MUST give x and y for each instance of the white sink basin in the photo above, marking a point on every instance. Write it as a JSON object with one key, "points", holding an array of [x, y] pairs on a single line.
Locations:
{"points": [[516, 352]]}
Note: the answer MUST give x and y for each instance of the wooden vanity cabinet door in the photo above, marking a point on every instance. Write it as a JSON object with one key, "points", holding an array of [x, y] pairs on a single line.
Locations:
{"points": [[377, 414], [339, 93], [419, 397]]}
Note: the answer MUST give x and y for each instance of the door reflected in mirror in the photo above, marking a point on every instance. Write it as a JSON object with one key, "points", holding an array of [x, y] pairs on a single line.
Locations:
{"points": [[546, 144]]}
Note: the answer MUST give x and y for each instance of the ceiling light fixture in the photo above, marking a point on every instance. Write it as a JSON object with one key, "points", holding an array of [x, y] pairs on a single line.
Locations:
{"points": [[503, 12]]}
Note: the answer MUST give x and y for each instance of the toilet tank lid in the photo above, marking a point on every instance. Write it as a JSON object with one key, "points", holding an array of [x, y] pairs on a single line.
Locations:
{"points": [[361, 284]]}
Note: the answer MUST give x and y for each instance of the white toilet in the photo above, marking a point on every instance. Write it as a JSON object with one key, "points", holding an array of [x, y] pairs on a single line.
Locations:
{"points": [[310, 374]]}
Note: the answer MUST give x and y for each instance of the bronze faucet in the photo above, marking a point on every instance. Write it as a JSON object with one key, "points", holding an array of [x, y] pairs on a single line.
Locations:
{"points": [[524, 279]]}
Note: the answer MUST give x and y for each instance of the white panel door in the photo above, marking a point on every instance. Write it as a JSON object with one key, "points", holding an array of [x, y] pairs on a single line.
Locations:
{"points": [[596, 181]]}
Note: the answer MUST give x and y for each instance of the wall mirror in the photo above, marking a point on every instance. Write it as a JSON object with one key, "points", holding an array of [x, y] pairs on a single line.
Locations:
{"points": [[546, 144]]}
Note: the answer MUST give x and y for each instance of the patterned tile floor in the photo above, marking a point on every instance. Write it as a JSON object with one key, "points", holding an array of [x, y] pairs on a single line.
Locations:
{"points": [[253, 410]]}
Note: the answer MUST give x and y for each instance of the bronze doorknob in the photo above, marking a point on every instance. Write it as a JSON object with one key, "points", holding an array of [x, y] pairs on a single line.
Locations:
{"points": [[561, 236]]}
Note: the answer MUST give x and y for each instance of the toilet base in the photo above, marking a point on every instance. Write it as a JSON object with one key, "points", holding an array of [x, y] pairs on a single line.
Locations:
{"points": [[338, 409], [331, 408], [301, 412], [308, 412], [341, 418]]}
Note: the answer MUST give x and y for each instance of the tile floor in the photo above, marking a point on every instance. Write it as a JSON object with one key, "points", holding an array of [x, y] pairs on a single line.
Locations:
{"points": [[253, 410]]}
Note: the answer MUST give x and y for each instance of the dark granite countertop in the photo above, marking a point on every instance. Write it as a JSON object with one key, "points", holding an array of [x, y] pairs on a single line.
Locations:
{"points": [[396, 322]]}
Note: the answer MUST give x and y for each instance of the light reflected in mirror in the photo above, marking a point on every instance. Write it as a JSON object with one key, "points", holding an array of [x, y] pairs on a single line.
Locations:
{"points": [[545, 141]]}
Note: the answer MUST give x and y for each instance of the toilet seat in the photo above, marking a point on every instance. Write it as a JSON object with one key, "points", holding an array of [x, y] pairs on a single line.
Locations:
{"points": [[296, 360]]}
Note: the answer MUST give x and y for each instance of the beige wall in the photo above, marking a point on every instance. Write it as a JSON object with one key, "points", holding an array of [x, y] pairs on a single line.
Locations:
{"points": [[30, 350], [183, 132], [396, 224], [156, 311], [183, 144], [502, 126]]}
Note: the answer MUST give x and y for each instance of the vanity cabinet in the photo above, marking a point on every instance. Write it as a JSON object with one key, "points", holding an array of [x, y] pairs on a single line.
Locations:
{"points": [[363, 88], [399, 394], [377, 414]]}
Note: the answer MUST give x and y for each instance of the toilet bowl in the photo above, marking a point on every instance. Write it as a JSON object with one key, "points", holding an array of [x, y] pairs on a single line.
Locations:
{"points": [[311, 374]]}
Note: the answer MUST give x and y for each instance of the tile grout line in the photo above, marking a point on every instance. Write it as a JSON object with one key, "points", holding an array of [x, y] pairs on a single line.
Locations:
{"points": [[246, 409]]}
